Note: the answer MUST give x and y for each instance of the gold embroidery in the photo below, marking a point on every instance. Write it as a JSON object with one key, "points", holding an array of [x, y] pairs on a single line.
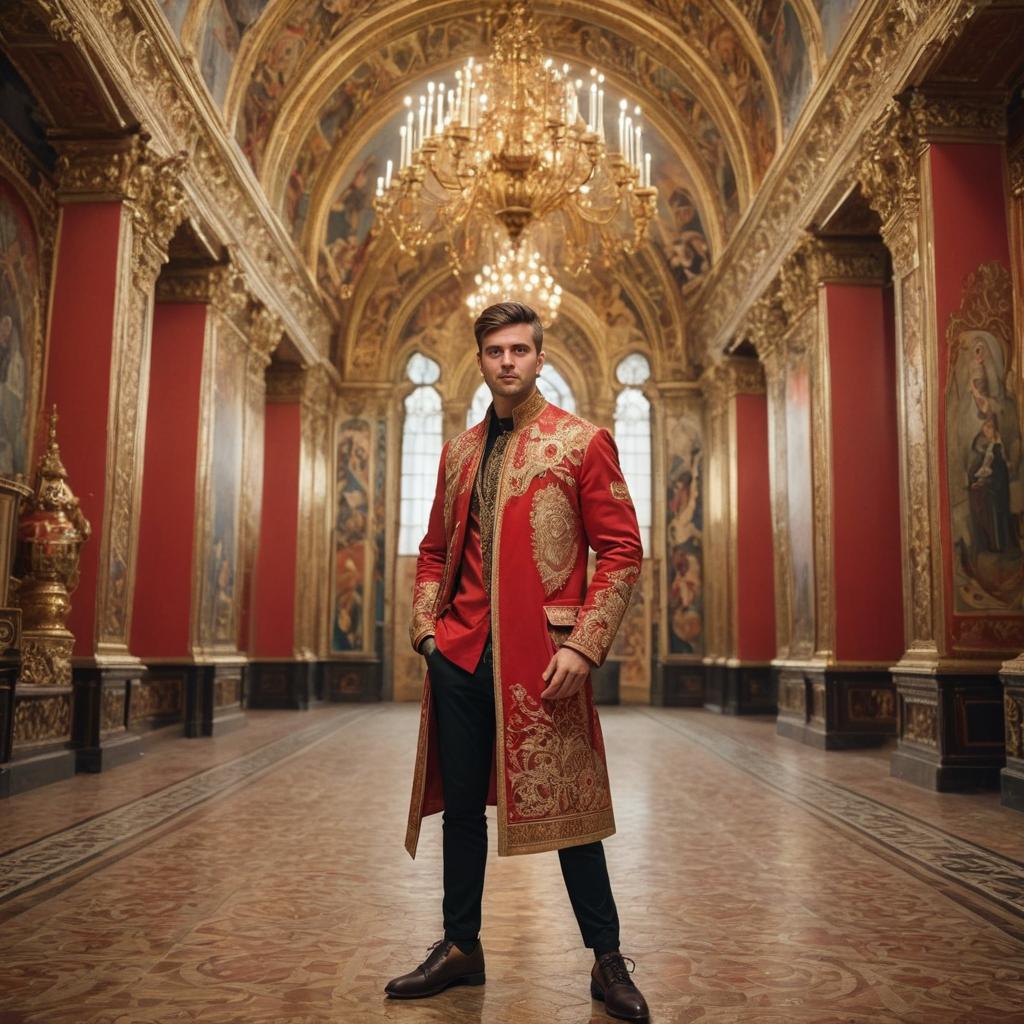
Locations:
{"points": [[484, 495], [621, 491], [424, 610], [597, 626], [460, 467], [554, 768], [562, 614], [539, 452], [554, 535]]}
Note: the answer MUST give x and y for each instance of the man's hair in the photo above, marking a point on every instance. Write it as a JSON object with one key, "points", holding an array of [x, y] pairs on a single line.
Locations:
{"points": [[503, 314]]}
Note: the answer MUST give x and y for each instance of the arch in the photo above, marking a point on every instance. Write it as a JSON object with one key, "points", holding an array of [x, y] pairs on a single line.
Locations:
{"points": [[660, 49]]}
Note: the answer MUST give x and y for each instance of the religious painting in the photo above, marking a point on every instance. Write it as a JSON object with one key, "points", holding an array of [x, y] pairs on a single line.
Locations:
{"points": [[351, 534], [678, 230], [379, 495], [226, 22], [218, 624], [800, 506], [175, 11], [20, 328], [684, 528], [782, 40], [983, 448], [306, 29], [350, 218], [833, 15]]}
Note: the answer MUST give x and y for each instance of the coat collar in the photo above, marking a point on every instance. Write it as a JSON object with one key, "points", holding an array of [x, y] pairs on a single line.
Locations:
{"points": [[524, 413]]}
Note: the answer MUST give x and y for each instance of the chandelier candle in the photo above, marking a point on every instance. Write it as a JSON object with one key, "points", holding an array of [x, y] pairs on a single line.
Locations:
{"points": [[510, 158]]}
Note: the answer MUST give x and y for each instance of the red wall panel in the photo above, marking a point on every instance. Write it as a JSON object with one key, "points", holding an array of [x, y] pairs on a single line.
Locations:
{"points": [[273, 615], [78, 377], [163, 588], [755, 569], [865, 474], [969, 224]]}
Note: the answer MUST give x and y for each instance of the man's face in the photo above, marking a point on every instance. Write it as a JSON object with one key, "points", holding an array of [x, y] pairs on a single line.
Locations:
{"points": [[510, 361]]}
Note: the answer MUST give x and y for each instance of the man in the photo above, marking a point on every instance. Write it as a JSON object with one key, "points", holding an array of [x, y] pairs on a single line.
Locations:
{"points": [[510, 631]]}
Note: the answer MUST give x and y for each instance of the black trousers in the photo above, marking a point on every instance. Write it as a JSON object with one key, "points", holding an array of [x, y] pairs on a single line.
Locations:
{"points": [[464, 704]]}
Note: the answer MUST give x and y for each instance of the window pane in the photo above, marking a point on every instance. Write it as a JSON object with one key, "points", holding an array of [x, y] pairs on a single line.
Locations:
{"points": [[633, 437], [421, 451]]}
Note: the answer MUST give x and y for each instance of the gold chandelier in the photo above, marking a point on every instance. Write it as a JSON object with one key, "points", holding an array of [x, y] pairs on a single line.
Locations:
{"points": [[518, 273], [516, 148]]}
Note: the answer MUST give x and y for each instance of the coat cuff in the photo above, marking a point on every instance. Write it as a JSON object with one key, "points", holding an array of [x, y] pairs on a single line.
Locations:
{"points": [[424, 605], [594, 656]]}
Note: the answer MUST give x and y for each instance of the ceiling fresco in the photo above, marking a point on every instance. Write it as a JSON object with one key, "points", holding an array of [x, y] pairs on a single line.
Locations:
{"points": [[311, 90]]}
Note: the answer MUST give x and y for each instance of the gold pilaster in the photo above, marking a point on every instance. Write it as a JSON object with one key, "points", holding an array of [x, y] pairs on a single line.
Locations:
{"points": [[125, 170]]}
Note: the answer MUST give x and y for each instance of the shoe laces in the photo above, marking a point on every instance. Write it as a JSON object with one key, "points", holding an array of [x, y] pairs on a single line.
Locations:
{"points": [[430, 951], [615, 969]]}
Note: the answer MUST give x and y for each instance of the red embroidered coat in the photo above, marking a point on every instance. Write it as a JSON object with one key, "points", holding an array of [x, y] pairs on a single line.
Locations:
{"points": [[560, 492]]}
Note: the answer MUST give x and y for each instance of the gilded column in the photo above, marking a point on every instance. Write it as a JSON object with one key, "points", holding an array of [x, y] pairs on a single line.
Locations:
{"points": [[679, 503], [927, 159], [121, 203], [834, 296], [740, 569]]}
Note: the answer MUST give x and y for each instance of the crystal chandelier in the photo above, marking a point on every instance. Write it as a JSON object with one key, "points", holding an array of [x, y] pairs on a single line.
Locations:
{"points": [[516, 274], [516, 148]]}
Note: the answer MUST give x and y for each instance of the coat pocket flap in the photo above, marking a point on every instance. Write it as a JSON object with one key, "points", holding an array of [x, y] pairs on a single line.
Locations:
{"points": [[563, 615]]}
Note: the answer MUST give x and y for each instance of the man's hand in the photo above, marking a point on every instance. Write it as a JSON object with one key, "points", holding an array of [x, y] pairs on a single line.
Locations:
{"points": [[565, 675], [427, 646]]}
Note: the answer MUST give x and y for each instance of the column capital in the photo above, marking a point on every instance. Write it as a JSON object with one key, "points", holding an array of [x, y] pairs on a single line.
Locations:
{"points": [[216, 284], [887, 169], [263, 332], [765, 324], [732, 376], [958, 115]]}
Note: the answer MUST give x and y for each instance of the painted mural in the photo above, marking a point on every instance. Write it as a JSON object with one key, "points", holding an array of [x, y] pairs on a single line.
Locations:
{"points": [[785, 48], [175, 11], [678, 230], [20, 305], [800, 504], [983, 448], [309, 26], [684, 522], [350, 219], [218, 620], [833, 15], [351, 534], [723, 48], [226, 22]]}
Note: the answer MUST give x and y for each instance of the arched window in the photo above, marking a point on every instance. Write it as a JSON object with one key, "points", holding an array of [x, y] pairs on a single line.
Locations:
{"points": [[551, 384], [421, 451], [633, 437]]}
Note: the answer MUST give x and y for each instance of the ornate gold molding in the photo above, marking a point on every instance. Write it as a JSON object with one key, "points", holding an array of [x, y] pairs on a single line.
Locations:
{"points": [[823, 150], [130, 40], [960, 116], [285, 382]]}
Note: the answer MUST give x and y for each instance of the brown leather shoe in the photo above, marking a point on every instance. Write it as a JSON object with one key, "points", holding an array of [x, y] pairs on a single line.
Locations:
{"points": [[610, 982], [445, 966]]}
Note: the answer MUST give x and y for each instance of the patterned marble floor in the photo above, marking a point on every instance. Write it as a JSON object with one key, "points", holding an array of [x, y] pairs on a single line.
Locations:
{"points": [[262, 879]]}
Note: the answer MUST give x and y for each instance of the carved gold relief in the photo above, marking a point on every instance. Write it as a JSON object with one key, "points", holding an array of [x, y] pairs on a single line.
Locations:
{"points": [[554, 535], [1013, 708], [39, 719], [112, 708], [920, 723], [156, 697]]}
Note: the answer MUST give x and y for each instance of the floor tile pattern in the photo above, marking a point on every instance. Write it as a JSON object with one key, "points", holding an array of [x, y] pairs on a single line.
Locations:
{"points": [[37, 862], [990, 875], [289, 900]]}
